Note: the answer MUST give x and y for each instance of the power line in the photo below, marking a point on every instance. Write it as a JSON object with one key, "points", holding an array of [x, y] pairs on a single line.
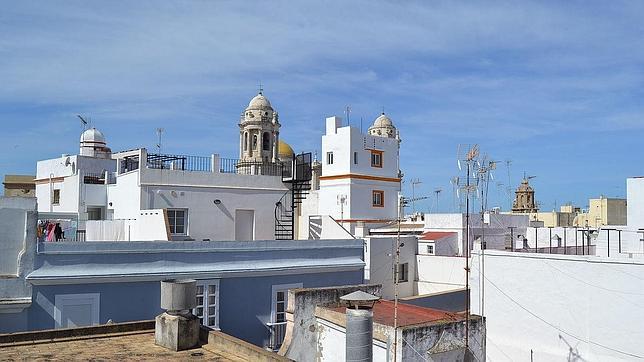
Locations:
{"points": [[558, 328]]}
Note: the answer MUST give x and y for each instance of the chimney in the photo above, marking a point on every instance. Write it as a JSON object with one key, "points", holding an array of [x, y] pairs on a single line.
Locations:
{"points": [[177, 328], [359, 330]]}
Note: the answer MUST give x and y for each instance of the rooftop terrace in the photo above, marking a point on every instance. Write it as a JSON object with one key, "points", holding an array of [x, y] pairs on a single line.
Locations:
{"points": [[120, 342]]}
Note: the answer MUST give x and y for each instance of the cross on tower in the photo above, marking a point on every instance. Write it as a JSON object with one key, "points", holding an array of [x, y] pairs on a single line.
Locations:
{"points": [[261, 88]]}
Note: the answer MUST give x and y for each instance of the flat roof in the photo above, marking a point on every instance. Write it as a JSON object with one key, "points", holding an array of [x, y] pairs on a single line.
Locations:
{"points": [[121, 346], [123, 342]]}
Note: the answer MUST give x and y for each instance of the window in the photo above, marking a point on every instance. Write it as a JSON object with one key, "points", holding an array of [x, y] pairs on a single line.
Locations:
{"points": [[265, 141], [378, 198], [376, 158], [254, 142], [56, 198], [207, 309], [355, 158], [430, 249], [177, 219], [329, 158], [403, 272], [280, 301], [76, 310], [245, 141]]}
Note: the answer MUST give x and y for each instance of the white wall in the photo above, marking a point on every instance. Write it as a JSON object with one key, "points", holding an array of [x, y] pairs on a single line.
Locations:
{"points": [[125, 196], [332, 343], [69, 195], [379, 260], [344, 142], [197, 191], [150, 225], [635, 202], [542, 302], [439, 273]]}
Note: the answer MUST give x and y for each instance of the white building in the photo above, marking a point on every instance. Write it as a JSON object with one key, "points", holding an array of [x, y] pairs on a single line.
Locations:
{"points": [[360, 181], [546, 307], [204, 198], [76, 184], [635, 202]]}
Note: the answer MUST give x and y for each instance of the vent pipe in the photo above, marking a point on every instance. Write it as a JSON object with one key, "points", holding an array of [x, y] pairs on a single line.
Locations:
{"points": [[177, 328], [359, 330]]}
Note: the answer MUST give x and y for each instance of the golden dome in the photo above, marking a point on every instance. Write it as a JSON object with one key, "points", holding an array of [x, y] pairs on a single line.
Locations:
{"points": [[284, 150]]}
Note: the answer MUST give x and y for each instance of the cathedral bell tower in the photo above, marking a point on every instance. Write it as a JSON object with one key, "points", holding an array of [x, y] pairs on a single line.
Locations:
{"points": [[259, 132]]}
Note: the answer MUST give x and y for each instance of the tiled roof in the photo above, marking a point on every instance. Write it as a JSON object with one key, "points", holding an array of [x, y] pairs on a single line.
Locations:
{"points": [[435, 235], [408, 315]]}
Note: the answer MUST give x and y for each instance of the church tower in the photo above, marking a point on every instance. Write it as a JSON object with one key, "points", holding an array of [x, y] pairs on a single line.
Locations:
{"points": [[524, 200], [259, 132]]}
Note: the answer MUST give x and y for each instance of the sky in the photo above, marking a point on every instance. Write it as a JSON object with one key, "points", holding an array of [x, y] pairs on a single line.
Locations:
{"points": [[555, 88]]}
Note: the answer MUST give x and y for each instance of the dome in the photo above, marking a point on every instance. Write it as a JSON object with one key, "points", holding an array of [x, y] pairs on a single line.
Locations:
{"points": [[284, 150], [383, 121], [259, 102], [92, 135]]}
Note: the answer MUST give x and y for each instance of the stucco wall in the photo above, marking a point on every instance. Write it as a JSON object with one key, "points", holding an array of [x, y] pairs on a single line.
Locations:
{"points": [[552, 303], [244, 303], [18, 219], [379, 269], [635, 202], [440, 273]]}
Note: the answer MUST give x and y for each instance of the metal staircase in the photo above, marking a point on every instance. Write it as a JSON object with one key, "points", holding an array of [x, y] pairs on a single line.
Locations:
{"points": [[297, 175]]}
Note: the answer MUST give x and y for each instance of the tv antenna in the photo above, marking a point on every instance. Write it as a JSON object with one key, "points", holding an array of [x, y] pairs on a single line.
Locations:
{"points": [[437, 191], [468, 156], [84, 122], [347, 114], [414, 182], [159, 133]]}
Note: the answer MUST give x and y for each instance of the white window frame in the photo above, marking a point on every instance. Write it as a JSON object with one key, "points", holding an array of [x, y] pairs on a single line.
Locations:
{"points": [[205, 305], [60, 300], [329, 158], [432, 246], [185, 220], [281, 288]]}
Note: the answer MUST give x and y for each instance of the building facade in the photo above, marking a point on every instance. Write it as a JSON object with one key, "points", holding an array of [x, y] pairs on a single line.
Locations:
{"points": [[360, 180], [242, 284]]}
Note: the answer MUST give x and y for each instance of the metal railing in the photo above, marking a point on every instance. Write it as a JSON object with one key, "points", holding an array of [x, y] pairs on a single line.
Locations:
{"points": [[206, 164], [278, 331], [179, 162]]}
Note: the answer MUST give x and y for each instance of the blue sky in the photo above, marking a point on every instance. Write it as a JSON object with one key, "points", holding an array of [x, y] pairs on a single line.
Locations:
{"points": [[555, 87]]}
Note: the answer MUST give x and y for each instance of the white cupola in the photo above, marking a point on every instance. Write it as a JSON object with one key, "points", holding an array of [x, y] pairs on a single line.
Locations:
{"points": [[383, 127], [92, 144]]}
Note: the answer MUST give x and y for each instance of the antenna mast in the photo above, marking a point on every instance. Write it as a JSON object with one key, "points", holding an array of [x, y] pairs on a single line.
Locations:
{"points": [[414, 182], [437, 191], [84, 122], [159, 133], [470, 158]]}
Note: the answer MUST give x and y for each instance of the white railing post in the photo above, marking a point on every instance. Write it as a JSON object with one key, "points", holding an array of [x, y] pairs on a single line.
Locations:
{"points": [[215, 162]]}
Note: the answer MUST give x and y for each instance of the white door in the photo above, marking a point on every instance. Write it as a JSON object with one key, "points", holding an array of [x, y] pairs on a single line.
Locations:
{"points": [[244, 225]]}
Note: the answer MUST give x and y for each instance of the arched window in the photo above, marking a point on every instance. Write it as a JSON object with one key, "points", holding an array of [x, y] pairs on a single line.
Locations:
{"points": [[254, 142], [265, 141], [245, 141]]}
